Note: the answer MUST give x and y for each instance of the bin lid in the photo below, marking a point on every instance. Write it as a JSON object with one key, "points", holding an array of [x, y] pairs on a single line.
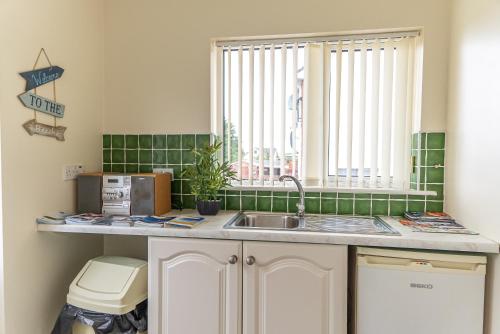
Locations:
{"points": [[110, 284]]}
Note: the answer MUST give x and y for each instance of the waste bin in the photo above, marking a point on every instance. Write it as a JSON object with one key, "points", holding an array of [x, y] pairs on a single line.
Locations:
{"points": [[109, 295]]}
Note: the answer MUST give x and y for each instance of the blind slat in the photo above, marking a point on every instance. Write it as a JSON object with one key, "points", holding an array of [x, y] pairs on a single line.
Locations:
{"points": [[338, 88], [294, 107], [240, 114], [387, 112], [362, 116], [251, 118], [271, 114], [350, 111], [261, 114], [283, 109], [400, 110], [375, 113], [327, 54], [229, 106]]}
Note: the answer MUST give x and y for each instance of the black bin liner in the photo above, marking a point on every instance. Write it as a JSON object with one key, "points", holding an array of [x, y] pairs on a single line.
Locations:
{"points": [[102, 323]]}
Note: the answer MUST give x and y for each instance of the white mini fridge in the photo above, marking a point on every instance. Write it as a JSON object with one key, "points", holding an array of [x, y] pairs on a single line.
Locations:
{"points": [[414, 292]]}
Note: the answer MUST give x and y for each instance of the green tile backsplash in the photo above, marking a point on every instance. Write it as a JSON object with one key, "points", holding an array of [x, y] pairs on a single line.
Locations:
{"points": [[132, 153]]}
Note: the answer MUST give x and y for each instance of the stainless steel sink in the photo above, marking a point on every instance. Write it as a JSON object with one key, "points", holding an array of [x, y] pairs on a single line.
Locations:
{"points": [[311, 223]]}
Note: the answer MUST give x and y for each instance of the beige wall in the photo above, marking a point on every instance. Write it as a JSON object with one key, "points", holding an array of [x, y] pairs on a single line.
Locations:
{"points": [[472, 126], [157, 52], [38, 267]]}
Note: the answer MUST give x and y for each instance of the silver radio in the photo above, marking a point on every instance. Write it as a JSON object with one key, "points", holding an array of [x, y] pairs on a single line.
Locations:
{"points": [[116, 198]]}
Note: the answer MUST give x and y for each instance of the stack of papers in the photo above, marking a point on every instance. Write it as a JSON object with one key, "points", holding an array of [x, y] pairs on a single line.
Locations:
{"points": [[85, 219], [186, 222], [150, 221], [56, 218], [433, 222]]}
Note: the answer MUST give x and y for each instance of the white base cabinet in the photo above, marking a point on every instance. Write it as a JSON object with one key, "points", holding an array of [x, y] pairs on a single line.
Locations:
{"points": [[233, 287]]}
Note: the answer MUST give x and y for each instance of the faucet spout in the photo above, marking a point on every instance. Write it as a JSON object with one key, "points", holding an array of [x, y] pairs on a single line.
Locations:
{"points": [[301, 207]]}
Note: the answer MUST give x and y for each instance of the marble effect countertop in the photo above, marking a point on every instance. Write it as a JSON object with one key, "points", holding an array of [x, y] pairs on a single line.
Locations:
{"points": [[213, 228]]}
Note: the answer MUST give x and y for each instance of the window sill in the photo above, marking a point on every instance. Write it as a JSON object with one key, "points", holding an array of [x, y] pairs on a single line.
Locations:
{"points": [[338, 190]]}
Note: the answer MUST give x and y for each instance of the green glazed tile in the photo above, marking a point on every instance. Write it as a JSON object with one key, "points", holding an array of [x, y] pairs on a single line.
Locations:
{"points": [[248, 203], [117, 141], [188, 142], [397, 208], [413, 178], [363, 196], [422, 175], [177, 202], [106, 141], [435, 157], [423, 157], [118, 156], [118, 168], [439, 188], [416, 206], [435, 175], [414, 141], [362, 207], [280, 194], [380, 208], [159, 156], [131, 168], [345, 195], [177, 171], [174, 157], [188, 202], [248, 193], [313, 205], [187, 157], [177, 187], [380, 196], [435, 141], [434, 206], [413, 186], [279, 204], [294, 194], [222, 200], [416, 197], [132, 141], [106, 156], [423, 140], [233, 203], [328, 195], [159, 166], [202, 140], [106, 168], [403, 197], [233, 193], [160, 141], [264, 203], [345, 206], [328, 206], [146, 141], [132, 156], [145, 156], [263, 193], [313, 194], [186, 187], [292, 204], [145, 168], [173, 142]]}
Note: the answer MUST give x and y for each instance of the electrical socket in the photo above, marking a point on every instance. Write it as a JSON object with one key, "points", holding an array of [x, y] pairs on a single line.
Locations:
{"points": [[70, 172], [164, 171]]}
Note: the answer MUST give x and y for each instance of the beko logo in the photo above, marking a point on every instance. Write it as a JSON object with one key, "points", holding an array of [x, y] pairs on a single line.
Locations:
{"points": [[421, 286]]}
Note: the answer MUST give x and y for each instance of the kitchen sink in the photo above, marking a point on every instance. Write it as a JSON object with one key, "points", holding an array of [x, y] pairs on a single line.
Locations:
{"points": [[311, 223]]}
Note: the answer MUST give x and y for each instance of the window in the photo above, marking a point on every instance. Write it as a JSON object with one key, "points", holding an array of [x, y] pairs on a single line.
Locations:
{"points": [[334, 111]]}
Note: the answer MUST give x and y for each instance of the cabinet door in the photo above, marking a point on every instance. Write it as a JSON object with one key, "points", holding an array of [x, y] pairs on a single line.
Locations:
{"points": [[294, 288], [194, 287]]}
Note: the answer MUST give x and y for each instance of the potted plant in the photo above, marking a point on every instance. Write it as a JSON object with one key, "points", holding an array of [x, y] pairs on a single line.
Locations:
{"points": [[207, 177]]}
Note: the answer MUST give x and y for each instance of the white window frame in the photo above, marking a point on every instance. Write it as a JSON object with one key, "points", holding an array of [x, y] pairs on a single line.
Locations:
{"points": [[413, 122]]}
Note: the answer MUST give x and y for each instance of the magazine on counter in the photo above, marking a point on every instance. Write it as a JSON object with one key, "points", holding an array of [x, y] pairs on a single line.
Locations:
{"points": [[185, 222], [433, 222]]}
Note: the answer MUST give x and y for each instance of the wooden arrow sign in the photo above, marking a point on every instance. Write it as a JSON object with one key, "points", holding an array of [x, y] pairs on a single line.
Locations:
{"points": [[40, 103], [42, 76], [33, 127]]}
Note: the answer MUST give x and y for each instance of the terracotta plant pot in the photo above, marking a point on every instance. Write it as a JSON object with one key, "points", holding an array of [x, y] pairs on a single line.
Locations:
{"points": [[208, 208]]}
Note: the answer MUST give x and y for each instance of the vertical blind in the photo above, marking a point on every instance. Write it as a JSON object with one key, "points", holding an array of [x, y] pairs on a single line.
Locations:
{"points": [[334, 112]]}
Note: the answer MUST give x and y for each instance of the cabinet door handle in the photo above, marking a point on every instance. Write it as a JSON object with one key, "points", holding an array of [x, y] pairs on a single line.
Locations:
{"points": [[250, 260], [232, 259]]}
